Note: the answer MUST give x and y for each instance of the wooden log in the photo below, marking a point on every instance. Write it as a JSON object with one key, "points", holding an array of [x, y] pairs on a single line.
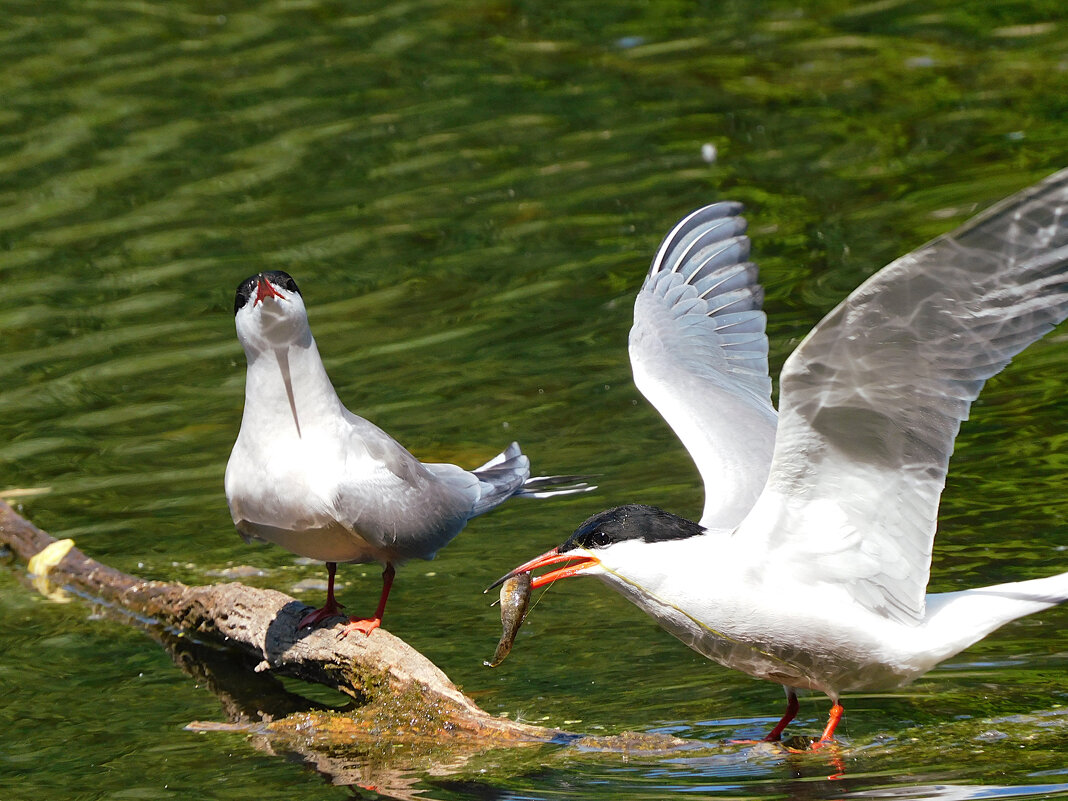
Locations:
{"points": [[387, 677], [399, 697]]}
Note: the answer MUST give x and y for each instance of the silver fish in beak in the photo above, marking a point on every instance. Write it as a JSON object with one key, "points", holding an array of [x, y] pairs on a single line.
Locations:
{"points": [[515, 596]]}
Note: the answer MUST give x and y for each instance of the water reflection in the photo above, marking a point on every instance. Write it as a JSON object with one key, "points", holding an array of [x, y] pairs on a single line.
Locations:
{"points": [[473, 192], [951, 792]]}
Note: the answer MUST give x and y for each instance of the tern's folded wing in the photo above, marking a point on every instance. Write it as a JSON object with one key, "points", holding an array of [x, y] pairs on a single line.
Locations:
{"points": [[700, 355], [403, 507], [872, 399]]}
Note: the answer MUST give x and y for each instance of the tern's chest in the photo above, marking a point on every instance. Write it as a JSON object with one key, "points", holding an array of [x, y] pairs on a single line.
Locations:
{"points": [[304, 471], [274, 458]]}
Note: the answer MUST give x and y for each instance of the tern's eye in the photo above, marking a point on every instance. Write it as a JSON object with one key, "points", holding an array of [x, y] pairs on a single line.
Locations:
{"points": [[291, 285], [600, 539], [244, 292]]}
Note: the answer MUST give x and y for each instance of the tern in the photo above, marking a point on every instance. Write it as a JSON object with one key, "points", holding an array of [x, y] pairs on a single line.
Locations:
{"points": [[309, 475], [810, 562]]}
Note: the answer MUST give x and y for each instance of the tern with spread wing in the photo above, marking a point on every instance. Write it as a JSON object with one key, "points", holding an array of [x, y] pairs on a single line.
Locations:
{"points": [[311, 476], [810, 562]]}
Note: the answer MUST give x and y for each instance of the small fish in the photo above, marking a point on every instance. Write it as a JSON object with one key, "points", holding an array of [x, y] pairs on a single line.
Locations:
{"points": [[515, 595]]}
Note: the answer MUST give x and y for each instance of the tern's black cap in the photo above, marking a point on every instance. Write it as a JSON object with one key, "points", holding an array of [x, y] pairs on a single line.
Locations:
{"points": [[248, 286], [631, 522]]}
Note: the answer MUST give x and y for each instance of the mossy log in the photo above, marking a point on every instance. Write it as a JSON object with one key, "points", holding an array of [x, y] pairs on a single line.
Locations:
{"points": [[380, 672], [236, 639]]}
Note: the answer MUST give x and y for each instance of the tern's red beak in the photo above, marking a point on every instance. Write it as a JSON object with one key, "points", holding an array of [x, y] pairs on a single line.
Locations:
{"points": [[265, 290], [578, 563]]}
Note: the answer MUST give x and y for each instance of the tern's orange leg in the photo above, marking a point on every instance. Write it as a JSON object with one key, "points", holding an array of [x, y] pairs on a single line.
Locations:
{"points": [[775, 735], [832, 723], [330, 608], [369, 624], [791, 712]]}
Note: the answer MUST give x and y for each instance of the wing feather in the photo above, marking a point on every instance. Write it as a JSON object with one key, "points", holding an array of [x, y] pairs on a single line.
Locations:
{"points": [[872, 399], [700, 355]]}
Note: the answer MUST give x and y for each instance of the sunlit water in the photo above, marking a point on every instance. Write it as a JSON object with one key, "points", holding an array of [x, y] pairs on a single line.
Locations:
{"points": [[469, 194]]}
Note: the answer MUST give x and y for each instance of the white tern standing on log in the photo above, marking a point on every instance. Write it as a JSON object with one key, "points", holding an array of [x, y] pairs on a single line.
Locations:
{"points": [[311, 476], [810, 562]]}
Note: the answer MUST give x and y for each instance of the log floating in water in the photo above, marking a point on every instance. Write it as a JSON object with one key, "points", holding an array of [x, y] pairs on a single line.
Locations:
{"points": [[379, 672], [399, 695]]}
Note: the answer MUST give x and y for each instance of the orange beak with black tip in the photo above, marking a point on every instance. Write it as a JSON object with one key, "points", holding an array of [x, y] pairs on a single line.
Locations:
{"points": [[576, 564]]}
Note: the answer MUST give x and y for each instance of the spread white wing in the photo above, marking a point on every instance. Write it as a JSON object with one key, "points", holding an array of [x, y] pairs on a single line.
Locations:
{"points": [[872, 399], [700, 355]]}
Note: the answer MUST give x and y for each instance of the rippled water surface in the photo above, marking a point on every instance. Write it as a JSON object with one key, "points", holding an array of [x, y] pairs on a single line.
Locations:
{"points": [[469, 194]]}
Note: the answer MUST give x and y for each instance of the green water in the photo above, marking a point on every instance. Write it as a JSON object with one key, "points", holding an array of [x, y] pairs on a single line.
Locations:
{"points": [[469, 195]]}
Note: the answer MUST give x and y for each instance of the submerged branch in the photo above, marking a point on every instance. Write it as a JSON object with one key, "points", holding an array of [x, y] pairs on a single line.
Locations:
{"points": [[379, 672], [236, 639]]}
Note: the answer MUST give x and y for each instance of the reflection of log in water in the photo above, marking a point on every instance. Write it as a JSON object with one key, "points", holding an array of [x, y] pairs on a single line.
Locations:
{"points": [[236, 640]]}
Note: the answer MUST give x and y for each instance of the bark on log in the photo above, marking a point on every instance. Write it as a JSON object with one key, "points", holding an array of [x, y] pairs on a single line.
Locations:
{"points": [[376, 671], [399, 696]]}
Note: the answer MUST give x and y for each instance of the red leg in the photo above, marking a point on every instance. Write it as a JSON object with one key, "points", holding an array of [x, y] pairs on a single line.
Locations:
{"points": [[330, 608], [367, 625], [791, 712], [832, 723]]}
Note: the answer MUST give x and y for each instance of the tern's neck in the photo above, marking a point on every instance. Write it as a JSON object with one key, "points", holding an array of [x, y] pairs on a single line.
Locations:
{"points": [[287, 389]]}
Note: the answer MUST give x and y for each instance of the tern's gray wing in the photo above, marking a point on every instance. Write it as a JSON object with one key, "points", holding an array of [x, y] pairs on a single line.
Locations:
{"points": [[872, 399], [700, 355], [395, 502]]}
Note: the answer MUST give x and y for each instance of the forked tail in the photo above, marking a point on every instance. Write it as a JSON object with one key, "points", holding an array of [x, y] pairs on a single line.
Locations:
{"points": [[508, 474], [955, 620]]}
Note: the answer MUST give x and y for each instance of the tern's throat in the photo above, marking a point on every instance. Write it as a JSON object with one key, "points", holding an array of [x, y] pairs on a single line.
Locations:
{"points": [[287, 391], [282, 355]]}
